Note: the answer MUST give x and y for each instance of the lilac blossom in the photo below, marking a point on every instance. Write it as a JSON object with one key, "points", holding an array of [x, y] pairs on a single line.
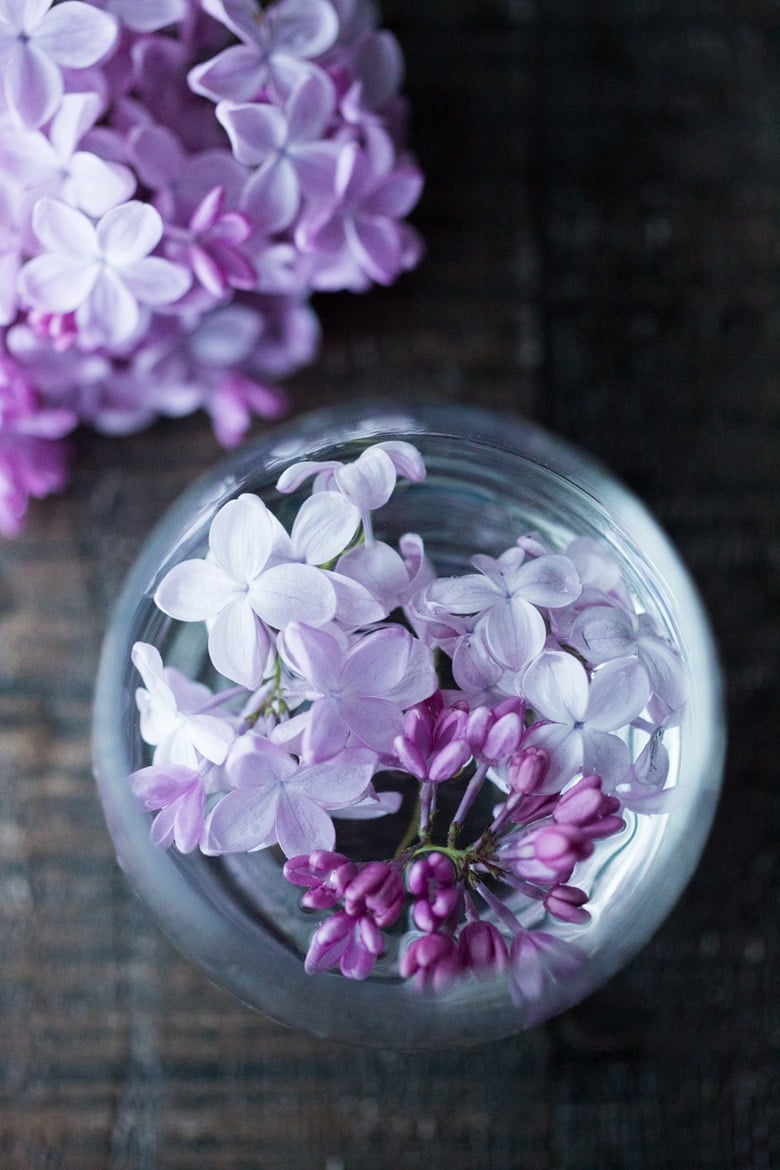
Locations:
{"points": [[431, 962], [104, 272], [179, 797], [276, 46], [278, 800], [248, 587], [433, 744], [172, 716], [357, 689], [352, 943], [581, 715], [37, 41], [538, 959], [433, 880], [482, 949]]}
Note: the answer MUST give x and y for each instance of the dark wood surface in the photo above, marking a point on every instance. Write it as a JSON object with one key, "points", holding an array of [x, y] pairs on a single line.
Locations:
{"points": [[603, 224]]}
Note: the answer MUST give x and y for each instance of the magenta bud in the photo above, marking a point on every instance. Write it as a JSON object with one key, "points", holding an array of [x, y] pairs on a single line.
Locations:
{"points": [[528, 769]]}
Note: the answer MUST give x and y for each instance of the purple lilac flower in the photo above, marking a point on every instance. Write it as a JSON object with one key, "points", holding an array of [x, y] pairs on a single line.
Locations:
{"points": [[103, 273], [277, 799], [433, 880], [538, 959], [37, 41], [179, 795], [482, 949]]}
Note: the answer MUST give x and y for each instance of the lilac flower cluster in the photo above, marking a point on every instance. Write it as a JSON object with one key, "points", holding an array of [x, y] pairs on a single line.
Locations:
{"points": [[177, 177], [520, 708]]}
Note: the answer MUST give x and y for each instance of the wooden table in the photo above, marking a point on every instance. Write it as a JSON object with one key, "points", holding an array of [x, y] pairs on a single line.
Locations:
{"points": [[603, 224]]}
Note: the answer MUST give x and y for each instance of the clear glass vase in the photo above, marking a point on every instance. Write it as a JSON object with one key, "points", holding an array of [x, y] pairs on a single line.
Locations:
{"points": [[490, 479]]}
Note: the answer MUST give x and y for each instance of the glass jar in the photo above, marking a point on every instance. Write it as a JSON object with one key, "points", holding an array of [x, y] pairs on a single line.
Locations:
{"points": [[489, 480]]}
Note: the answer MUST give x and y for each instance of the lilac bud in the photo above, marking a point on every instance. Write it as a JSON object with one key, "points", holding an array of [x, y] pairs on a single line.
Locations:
{"points": [[548, 853], [325, 873], [566, 902], [587, 806], [482, 948], [375, 892], [528, 769], [432, 961]]}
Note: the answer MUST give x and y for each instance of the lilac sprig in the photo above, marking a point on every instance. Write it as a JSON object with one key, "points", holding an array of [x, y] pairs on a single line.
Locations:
{"points": [[332, 656], [176, 179]]}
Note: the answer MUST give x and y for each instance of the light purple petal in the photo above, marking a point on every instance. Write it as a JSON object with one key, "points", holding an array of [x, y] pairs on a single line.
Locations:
{"points": [[376, 245], [514, 632], [111, 314], [377, 662], [256, 132], [304, 28], [241, 537], [148, 662], [396, 195], [601, 632], [667, 673], [324, 526], [243, 820], [194, 591], [556, 686], [271, 196], [565, 748], [156, 281], [63, 229], [126, 234], [314, 654], [33, 83], [369, 481], [301, 825], [336, 782], [256, 762], [76, 35], [239, 644], [315, 166], [325, 733], [375, 722], [236, 74], [406, 459], [618, 692], [470, 593], [210, 736], [310, 108], [606, 756], [549, 581], [473, 666], [100, 185], [157, 786], [56, 283], [293, 593], [355, 604]]}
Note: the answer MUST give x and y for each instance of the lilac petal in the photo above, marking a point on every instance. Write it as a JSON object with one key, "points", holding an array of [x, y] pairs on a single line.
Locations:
{"points": [[395, 197], [75, 34], [148, 662], [111, 313], [419, 679], [325, 733], [241, 537], [602, 632], [377, 567], [32, 82], [126, 234], [243, 820], [314, 654], [355, 604], [668, 676], [239, 645], [195, 590], [565, 749], [305, 28], [257, 762], [556, 686], [296, 475], [372, 806], [549, 581], [301, 825], [378, 64], [315, 166], [156, 281], [375, 722], [618, 691], [324, 526], [256, 132], [310, 107], [337, 782], [473, 666], [236, 74], [60, 228], [101, 185], [156, 786], [293, 593], [369, 481], [376, 245], [514, 632], [273, 186], [605, 756], [470, 593], [405, 458], [210, 736], [377, 662], [449, 760], [56, 283]]}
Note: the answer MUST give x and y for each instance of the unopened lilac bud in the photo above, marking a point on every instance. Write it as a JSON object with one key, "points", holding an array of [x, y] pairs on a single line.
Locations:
{"points": [[527, 769], [432, 961], [326, 874], [376, 891], [566, 903], [482, 948], [585, 805]]}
